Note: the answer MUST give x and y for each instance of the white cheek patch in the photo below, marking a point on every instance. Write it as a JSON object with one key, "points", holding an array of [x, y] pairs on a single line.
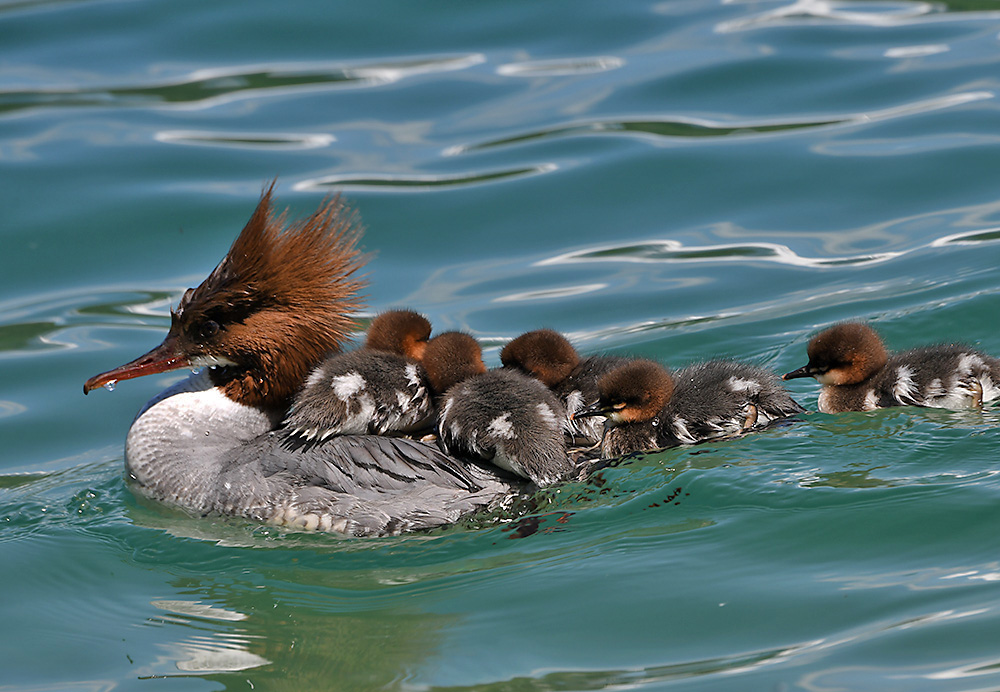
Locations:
{"points": [[830, 377], [211, 362]]}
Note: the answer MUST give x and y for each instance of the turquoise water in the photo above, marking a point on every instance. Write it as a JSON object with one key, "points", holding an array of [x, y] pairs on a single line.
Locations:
{"points": [[680, 180]]}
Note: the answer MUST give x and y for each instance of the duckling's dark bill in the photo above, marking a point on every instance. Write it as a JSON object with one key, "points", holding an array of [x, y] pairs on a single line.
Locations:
{"points": [[804, 371]]}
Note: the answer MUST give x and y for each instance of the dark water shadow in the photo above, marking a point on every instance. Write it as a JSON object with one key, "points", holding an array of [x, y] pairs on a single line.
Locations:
{"points": [[245, 140], [627, 678], [676, 127], [206, 86]]}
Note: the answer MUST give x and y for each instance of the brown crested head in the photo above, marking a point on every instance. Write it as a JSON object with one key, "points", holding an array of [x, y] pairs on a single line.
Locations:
{"points": [[635, 392], [543, 353], [450, 358], [278, 302], [844, 354], [403, 332]]}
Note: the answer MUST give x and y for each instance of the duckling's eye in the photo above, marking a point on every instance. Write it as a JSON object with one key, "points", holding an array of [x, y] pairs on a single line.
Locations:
{"points": [[208, 329]]}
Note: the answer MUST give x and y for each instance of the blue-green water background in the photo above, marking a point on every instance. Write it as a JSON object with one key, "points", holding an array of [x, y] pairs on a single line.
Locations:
{"points": [[681, 179]]}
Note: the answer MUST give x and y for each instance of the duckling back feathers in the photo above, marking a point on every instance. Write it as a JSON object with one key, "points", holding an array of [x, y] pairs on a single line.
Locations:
{"points": [[510, 419]]}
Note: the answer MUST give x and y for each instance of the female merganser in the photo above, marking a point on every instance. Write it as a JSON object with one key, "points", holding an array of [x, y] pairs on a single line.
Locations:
{"points": [[647, 408], [500, 416], [859, 374], [548, 355], [379, 389], [275, 306]]}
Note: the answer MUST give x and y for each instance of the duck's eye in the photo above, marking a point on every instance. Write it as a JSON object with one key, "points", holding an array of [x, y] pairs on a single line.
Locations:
{"points": [[208, 329]]}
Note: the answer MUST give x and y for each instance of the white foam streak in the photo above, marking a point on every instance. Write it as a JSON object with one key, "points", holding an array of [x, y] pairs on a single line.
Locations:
{"points": [[856, 13], [557, 68], [245, 140], [674, 251]]}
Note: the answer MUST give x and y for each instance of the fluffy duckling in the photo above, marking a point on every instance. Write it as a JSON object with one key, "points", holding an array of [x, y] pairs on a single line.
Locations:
{"points": [[548, 355], [859, 374], [647, 408], [632, 399], [378, 389], [500, 416]]}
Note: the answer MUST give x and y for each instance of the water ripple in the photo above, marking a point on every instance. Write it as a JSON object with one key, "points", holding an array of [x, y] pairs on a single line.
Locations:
{"points": [[675, 251], [916, 51], [663, 127], [990, 235], [418, 182], [208, 87], [557, 68], [246, 140], [631, 678], [748, 662], [549, 293], [694, 128], [65, 320], [840, 11], [216, 651]]}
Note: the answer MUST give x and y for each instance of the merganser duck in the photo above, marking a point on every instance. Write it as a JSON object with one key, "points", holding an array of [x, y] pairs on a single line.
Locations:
{"points": [[548, 355], [500, 416], [378, 389], [648, 408], [859, 374], [275, 306]]}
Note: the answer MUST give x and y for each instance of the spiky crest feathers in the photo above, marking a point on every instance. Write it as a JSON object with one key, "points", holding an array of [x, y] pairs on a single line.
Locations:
{"points": [[280, 300]]}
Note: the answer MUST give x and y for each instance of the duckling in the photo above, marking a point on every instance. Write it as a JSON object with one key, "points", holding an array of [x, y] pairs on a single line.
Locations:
{"points": [[378, 389], [720, 398], [632, 398], [501, 416], [403, 332], [859, 374], [548, 355], [648, 408]]}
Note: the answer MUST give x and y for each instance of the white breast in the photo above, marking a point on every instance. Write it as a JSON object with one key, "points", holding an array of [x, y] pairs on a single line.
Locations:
{"points": [[175, 444]]}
